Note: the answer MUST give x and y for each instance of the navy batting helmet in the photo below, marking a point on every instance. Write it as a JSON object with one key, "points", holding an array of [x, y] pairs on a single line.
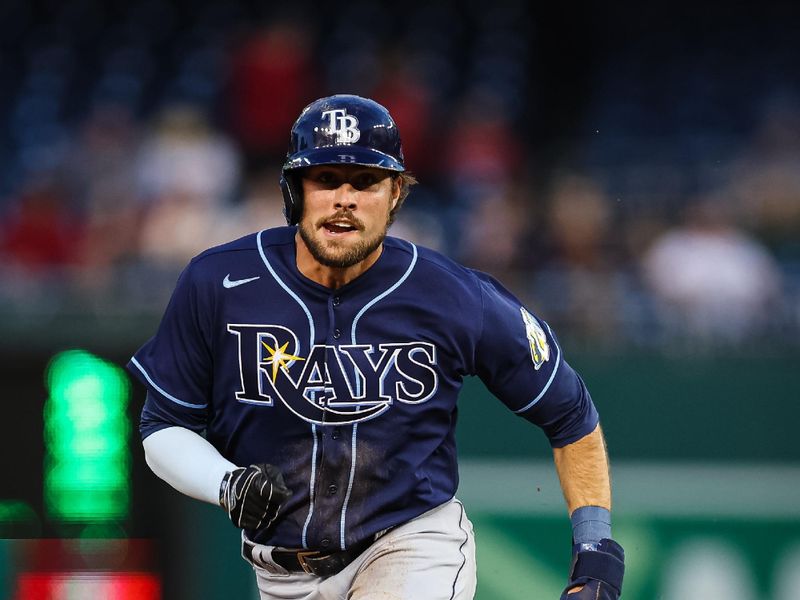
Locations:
{"points": [[341, 129]]}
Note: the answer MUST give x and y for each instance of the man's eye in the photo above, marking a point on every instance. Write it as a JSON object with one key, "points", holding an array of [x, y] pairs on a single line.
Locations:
{"points": [[325, 178], [365, 181]]}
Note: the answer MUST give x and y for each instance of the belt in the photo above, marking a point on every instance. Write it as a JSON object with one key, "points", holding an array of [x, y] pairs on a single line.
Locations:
{"points": [[314, 562]]}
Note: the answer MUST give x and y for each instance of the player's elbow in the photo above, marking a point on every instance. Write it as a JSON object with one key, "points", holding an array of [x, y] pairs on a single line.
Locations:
{"points": [[151, 451], [148, 455], [578, 438], [159, 447]]}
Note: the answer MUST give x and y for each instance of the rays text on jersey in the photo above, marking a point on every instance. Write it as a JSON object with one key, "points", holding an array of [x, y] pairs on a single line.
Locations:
{"points": [[339, 384]]}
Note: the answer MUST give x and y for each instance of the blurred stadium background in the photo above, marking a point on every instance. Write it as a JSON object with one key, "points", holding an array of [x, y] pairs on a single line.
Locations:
{"points": [[631, 171]]}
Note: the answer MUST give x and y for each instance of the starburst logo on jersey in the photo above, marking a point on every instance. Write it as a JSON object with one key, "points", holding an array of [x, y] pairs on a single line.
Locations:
{"points": [[347, 383], [279, 358], [540, 351], [342, 125]]}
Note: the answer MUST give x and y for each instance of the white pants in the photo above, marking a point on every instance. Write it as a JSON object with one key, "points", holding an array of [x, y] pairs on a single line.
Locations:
{"points": [[431, 557]]}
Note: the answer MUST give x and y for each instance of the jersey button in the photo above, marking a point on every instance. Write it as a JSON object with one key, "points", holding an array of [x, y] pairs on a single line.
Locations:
{"points": [[332, 489], [335, 434], [337, 300], [325, 542], [337, 333]]}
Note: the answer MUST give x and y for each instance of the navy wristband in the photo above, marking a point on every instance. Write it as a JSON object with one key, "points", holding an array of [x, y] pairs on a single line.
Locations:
{"points": [[590, 524]]}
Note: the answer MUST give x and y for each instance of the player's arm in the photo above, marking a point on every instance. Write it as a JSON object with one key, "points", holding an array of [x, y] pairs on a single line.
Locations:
{"points": [[252, 496], [187, 462], [598, 561], [582, 468], [176, 366], [517, 351]]}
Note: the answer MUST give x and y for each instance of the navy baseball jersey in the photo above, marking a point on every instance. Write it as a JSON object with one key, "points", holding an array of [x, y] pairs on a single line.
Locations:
{"points": [[350, 392]]}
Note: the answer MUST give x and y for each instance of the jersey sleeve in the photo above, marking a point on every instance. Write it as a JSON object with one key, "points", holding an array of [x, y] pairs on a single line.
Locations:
{"points": [[175, 365], [520, 361]]}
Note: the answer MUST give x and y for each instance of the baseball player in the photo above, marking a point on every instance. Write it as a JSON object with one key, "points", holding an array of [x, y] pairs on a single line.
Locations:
{"points": [[305, 379]]}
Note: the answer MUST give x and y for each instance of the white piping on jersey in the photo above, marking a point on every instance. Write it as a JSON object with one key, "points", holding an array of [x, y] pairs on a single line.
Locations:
{"points": [[349, 484], [287, 290], [161, 390], [364, 309], [380, 297], [552, 375], [312, 334], [311, 487]]}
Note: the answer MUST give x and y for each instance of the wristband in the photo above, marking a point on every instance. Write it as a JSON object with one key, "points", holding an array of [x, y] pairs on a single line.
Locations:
{"points": [[223, 487], [590, 524]]}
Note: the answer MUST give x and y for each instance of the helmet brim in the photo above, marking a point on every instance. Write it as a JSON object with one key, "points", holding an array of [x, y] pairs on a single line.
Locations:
{"points": [[343, 155]]}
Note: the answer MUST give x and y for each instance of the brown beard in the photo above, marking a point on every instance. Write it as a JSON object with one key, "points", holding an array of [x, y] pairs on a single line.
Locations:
{"points": [[339, 260]]}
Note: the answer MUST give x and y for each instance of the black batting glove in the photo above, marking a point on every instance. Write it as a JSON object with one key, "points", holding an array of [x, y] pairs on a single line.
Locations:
{"points": [[599, 569], [252, 496]]}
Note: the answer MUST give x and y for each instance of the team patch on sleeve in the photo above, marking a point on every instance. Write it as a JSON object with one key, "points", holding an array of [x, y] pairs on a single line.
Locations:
{"points": [[540, 351]]}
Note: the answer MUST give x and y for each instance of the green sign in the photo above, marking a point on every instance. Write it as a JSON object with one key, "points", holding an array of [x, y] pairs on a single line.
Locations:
{"points": [[87, 460], [523, 556]]}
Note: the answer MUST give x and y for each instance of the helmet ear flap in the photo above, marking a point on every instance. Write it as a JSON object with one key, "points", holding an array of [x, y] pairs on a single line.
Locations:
{"points": [[292, 198]]}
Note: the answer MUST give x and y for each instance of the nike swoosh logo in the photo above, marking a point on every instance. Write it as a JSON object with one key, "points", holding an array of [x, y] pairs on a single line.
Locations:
{"points": [[232, 284]]}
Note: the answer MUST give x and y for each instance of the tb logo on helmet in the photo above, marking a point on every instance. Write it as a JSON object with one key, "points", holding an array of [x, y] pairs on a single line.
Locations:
{"points": [[344, 126]]}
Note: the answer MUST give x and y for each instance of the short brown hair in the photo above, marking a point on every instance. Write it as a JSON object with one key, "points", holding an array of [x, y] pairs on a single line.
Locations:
{"points": [[406, 181]]}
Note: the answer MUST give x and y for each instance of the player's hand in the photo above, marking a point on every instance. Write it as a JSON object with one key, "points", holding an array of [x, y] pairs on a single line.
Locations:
{"points": [[596, 572], [252, 496], [590, 591], [575, 590]]}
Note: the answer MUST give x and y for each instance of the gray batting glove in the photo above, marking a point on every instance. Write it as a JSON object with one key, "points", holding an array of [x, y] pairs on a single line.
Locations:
{"points": [[252, 496]]}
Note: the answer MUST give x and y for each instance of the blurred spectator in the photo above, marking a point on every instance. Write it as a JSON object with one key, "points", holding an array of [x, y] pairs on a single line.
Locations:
{"points": [[189, 174], [766, 179], [579, 221], [99, 166], [261, 207], [710, 279], [176, 229], [41, 233], [403, 91], [481, 158], [183, 155], [482, 146], [272, 79], [577, 267], [101, 173], [192, 227], [419, 223], [493, 230]]}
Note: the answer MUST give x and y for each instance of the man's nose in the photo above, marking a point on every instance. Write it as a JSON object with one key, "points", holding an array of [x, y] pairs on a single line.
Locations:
{"points": [[346, 196]]}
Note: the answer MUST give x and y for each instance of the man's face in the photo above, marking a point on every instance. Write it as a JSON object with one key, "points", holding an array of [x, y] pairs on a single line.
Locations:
{"points": [[345, 212]]}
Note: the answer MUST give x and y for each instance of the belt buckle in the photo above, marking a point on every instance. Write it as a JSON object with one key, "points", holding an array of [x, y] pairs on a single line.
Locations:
{"points": [[301, 558]]}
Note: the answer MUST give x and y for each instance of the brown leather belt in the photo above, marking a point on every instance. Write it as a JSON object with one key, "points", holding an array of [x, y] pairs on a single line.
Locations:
{"points": [[321, 564]]}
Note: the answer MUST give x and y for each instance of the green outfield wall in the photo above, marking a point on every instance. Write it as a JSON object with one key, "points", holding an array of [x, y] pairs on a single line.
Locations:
{"points": [[734, 408]]}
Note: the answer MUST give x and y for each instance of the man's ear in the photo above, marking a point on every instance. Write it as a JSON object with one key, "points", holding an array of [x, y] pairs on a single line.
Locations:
{"points": [[398, 186]]}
